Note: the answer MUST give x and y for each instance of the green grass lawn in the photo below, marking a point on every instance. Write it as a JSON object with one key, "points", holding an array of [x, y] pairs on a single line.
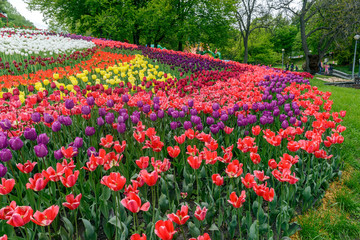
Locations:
{"points": [[339, 215], [347, 69]]}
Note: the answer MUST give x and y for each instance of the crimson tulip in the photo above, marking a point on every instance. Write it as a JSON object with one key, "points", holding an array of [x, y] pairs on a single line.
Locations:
{"points": [[46, 217], [164, 229]]}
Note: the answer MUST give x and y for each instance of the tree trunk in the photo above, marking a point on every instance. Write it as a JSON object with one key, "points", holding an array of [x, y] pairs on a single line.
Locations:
{"points": [[180, 46], [246, 49], [304, 43], [136, 34]]}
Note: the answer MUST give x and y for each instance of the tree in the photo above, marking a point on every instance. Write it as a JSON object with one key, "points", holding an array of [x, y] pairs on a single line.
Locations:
{"points": [[245, 13], [324, 22]]}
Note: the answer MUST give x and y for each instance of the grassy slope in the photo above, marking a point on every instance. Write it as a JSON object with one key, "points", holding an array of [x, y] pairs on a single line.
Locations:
{"points": [[338, 217]]}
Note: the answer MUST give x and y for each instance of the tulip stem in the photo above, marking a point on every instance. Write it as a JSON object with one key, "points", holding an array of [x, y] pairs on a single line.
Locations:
{"points": [[239, 220], [183, 232], [153, 198], [197, 186], [49, 232], [76, 225]]}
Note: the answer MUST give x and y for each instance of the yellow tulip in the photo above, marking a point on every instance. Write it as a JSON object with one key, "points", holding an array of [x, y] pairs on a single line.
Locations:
{"points": [[93, 77], [56, 76], [46, 82]]}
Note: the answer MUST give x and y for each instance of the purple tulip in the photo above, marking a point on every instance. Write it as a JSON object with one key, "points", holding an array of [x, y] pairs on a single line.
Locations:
{"points": [[58, 154], [146, 108], [67, 121], [85, 109], [284, 124], [16, 143], [56, 126], [282, 117], [246, 133], [121, 127], [43, 138], [215, 106], [292, 120], [160, 114], [102, 112], [156, 100], [245, 107], [78, 142], [5, 124], [173, 125], [236, 107], [69, 104], [139, 104], [48, 118], [90, 101], [153, 116], [36, 117], [221, 125], [3, 141], [134, 119], [100, 121], [195, 119], [110, 103], [214, 128], [215, 114], [3, 170], [190, 103], [40, 150], [199, 127], [109, 118], [210, 121], [175, 114], [92, 151], [156, 107], [30, 134], [224, 117], [187, 125], [89, 131], [185, 109], [5, 155], [125, 98], [193, 112], [230, 111]]}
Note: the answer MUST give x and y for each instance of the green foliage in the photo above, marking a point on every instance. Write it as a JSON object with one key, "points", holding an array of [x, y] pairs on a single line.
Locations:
{"points": [[14, 17], [261, 49]]}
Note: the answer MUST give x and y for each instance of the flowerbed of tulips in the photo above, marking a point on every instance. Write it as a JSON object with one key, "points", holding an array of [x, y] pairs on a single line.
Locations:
{"points": [[141, 143]]}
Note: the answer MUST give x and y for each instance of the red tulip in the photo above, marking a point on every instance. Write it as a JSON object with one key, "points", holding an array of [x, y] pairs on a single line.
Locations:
{"points": [[234, 169], [217, 179], [37, 183], [228, 130], [256, 130], [136, 236], [119, 148], [114, 181], [133, 203], [194, 162], [181, 216], [68, 152], [46, 217], [173, 151], [19, 216], [53, 175], [248, 181], [164, 229], [237, 201], [200, 214], [70, 178], [4, 237], [6, 186], [27, 167], [272, 164], [255, 158], [260, 175], [181, 139], [149, 178], [143, 162], [107, 142], [71, 202], [203, 237]]}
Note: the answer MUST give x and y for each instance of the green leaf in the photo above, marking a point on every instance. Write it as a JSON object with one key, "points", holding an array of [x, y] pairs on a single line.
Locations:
{"points": [[89, 230], [213, 227], [115, 221], [253, 230], [233, 225], [68, 225], [194, 231], [64, 234], [307, 193], [106, 194], [163, 203]]}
